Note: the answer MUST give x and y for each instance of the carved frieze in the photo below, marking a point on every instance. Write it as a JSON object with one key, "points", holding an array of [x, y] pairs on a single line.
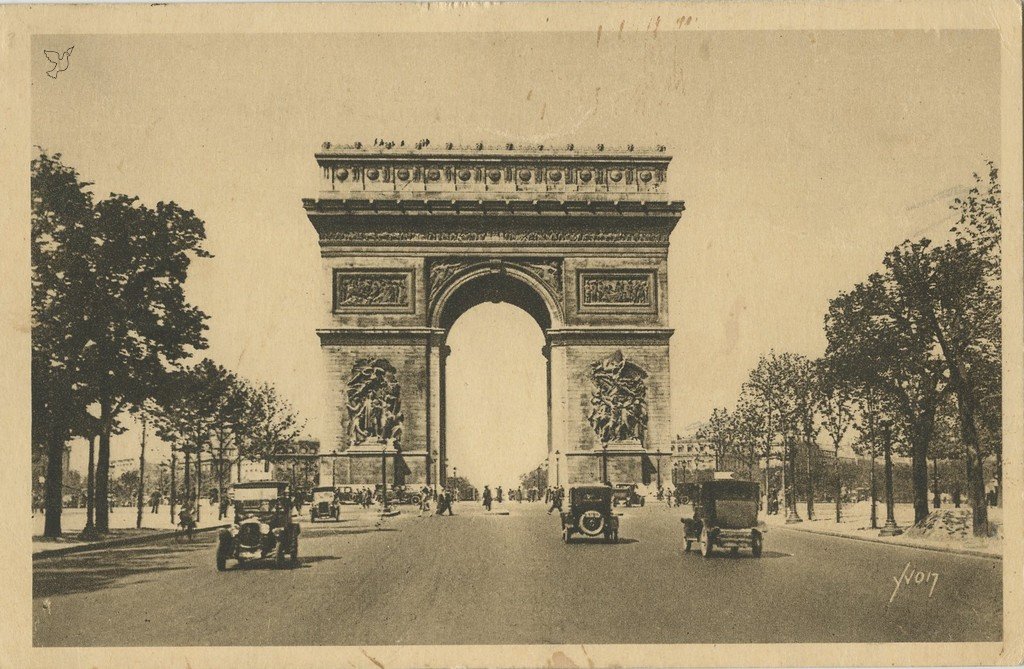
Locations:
{"points": [[562, 234], [369, 290], [615, 290]]}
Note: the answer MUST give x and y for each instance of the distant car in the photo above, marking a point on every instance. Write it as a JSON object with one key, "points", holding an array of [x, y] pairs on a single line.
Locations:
{"points": [[590, 514], [725, 516], [626, 493], [265, 525], [346, 495], [324, 504]]}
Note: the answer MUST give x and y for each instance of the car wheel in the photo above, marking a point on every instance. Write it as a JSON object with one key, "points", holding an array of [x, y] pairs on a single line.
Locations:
{"points": [[222, 561], [279, 554], [705, 543], [756, 544], [295, 553], [565, 535], [687, 545], [735, 550]]}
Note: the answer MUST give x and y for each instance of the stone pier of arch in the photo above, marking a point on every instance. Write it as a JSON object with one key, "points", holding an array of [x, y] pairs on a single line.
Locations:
{"points": [[412, 238]]}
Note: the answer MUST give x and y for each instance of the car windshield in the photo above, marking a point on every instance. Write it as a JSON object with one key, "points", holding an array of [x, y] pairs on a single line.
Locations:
{"points": [[255, 494]]}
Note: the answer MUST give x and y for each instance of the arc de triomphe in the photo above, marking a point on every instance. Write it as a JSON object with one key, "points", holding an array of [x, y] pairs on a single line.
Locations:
{"points": [[410, 238]]}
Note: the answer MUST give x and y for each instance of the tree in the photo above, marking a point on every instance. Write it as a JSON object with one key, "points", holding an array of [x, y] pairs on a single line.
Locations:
{"points": [[762, 399], [804, 396], [872, 341], [836, 408], [135, 314], [61, 214], [721, 434], [953, 300], [275, 427]]}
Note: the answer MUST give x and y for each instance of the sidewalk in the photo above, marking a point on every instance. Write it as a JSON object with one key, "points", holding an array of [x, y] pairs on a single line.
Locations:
{"points": [[856, 524], [122, 527]]}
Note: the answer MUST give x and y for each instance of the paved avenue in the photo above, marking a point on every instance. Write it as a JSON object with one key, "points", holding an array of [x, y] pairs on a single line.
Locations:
{"points": [[508, 579]]}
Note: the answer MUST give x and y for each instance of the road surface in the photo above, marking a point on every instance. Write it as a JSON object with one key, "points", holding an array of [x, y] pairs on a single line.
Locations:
{"points": [[508, 579]]}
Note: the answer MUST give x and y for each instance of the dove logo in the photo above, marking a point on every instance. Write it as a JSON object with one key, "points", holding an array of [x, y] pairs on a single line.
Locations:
{"points": [[60, 61]]}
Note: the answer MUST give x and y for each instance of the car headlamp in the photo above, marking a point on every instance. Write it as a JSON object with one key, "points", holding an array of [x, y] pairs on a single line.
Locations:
{"points": [[264, 528]]}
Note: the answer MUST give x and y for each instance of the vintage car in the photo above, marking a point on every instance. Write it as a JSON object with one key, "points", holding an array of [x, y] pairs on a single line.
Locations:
{"points": [[265, 525], [590, 513], [347, 495], [626, 493], [324, 504], [724, 515]]}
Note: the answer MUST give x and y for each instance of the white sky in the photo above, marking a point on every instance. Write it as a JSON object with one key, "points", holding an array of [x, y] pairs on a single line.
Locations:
{"points": [[802, 158]]}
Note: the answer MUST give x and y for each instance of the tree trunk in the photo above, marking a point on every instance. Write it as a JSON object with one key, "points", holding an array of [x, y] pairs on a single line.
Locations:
{"points": [[174, 482], [919, 476], [199, 483], [54, 481], [103, 470], [90, 489], [976, 467], [142, 476], [874, 492], [810, 481], [187, 502], [839, 489], [936, 498]]}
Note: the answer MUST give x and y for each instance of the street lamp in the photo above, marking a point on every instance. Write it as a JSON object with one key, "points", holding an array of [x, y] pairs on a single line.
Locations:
{"points": [[455, 483], [890, 529], [792, 515], [558, 476]]}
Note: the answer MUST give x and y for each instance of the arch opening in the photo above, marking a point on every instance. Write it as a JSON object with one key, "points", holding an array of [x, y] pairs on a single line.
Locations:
{"points": [[495, 399]]}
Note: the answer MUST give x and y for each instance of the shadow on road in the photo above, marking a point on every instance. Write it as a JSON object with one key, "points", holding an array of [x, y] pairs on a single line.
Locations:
{"points": [[269, 564], [97, 570]]}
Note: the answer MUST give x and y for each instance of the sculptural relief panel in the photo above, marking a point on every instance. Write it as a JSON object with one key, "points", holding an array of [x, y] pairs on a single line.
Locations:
{"points": [[617, 290], [362, 291]]}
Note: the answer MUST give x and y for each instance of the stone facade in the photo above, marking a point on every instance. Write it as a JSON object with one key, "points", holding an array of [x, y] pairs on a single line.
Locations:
{"points": [[412, 238]]}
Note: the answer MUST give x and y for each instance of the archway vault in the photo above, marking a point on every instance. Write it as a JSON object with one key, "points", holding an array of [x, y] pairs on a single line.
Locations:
{"points": [[411, 239]]}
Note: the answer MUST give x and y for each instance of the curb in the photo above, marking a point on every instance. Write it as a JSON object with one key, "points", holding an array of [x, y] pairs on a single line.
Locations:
{"points": [[115, 543], [961, 551]]}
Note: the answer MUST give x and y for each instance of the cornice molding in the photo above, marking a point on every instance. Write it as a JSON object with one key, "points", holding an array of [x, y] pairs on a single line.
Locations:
{"points": [[605, 336]]}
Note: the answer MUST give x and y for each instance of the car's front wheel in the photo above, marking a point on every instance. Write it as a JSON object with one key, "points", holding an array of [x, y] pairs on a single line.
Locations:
{"points": [[295, 553], [279, 554], [756, 544]]}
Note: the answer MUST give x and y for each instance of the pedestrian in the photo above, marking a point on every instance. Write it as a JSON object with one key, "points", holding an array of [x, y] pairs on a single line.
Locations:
{"points": [[497, 497], [449, 501], [154, 501], [556, 499], [487, 497], [223, 509]]}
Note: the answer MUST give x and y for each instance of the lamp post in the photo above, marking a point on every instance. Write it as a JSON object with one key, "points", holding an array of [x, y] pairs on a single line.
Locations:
{"points": [[455, 484], [792, 515], [890, 529], [604, 463], [558, 472], [384, 479]]}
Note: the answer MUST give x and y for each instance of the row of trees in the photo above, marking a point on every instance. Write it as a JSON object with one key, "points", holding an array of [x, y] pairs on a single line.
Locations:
{"points": [[112, 332], [914, 355]]}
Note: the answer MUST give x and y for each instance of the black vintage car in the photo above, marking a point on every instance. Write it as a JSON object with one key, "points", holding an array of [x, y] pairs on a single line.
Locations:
{"points": [[724, 515], [590, 514], [627, 494], [324, 504], [265, 525]]}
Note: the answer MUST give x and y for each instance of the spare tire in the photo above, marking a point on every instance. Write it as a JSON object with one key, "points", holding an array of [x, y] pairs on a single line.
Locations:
{"points": [[591, 523]]}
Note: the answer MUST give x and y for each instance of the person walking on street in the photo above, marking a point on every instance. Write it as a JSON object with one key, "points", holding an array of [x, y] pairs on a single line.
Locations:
{"points": [[556, 499], [487, 497], [154, 501]]}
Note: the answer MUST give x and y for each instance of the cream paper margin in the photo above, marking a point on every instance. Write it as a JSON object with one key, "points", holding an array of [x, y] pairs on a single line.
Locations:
{"points": [[18, 24]]}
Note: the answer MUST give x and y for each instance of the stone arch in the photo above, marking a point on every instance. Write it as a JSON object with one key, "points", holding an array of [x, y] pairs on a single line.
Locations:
{"points": [[495, 281]]}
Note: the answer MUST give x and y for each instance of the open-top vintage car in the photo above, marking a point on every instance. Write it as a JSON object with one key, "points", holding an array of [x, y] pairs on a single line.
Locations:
{"points": [[265, 525], [324, 504], [626, 493], [724, 515], [590, 513]]}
